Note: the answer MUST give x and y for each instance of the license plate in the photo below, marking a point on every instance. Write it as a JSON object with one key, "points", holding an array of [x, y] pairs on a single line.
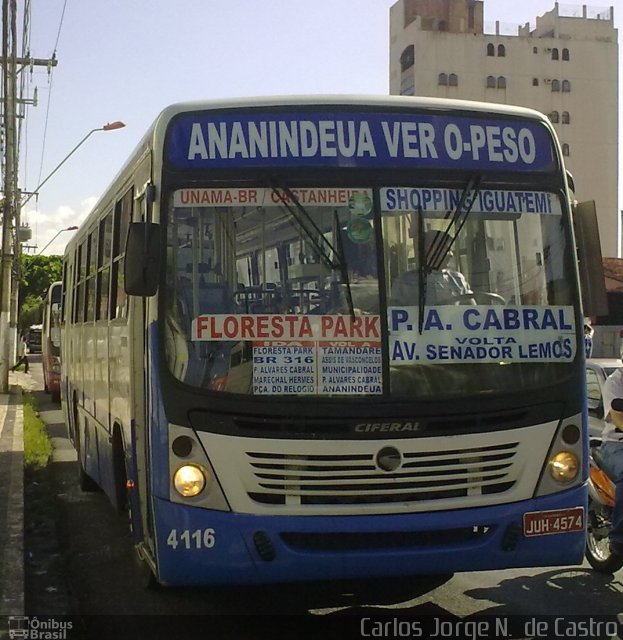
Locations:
{"points": [[543, 523]]}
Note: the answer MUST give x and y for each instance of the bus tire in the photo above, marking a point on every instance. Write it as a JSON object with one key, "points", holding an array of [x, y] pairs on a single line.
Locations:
{"points": [[146, 577]]}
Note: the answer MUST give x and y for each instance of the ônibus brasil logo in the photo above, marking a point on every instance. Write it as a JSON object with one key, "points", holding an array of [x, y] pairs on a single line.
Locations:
{"points": [[36, 628]]}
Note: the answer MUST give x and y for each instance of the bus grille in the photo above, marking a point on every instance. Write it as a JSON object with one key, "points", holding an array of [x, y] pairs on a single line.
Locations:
{"points": [[369, 540], [356, 479]]}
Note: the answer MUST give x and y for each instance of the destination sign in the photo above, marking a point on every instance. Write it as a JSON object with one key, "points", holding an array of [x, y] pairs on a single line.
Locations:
{"points": [[482, 334], [351, 139], [401, 199]]}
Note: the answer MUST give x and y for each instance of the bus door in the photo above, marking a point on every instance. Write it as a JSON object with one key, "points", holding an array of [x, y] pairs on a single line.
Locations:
{"points": [[142, 522]]}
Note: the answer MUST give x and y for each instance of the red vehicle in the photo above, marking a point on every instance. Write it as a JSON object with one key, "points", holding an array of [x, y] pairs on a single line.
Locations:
{"points": [[51, 341]]}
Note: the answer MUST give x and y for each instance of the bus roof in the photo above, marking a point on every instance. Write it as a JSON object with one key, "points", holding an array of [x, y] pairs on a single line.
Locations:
{"points": [[409, 102]]}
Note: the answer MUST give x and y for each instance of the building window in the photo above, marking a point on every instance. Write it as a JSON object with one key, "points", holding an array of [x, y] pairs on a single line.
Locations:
{"points": [[566, 86], [535, 82], [501, 82], [407, 58], [566, 118], [453, 80], [407, 86], [443, 79], [490, 50], [555, 85], [554, 54], [565, 54], [553, 117], [565, 150], [490, 82], [501, 50], [535, 49]]}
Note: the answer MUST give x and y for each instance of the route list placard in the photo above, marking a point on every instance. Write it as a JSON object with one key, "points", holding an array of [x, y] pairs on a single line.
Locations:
{"points": [[315, 367], [304, 354]]}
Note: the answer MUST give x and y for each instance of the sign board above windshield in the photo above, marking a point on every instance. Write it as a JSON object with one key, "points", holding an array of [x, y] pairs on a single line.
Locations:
{"points": [[360, 139], [401, 199]]}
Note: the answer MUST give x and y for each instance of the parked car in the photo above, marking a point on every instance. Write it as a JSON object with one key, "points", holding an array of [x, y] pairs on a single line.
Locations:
{"points": [[597, 370]]}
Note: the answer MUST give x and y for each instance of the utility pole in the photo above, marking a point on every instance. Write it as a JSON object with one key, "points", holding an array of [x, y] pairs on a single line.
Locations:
{"points": [[9, 31], [9, 258]]}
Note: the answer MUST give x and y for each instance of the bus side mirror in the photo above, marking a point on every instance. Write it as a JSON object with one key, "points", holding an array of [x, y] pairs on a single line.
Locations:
{"points": [[142, 259], [590, 266]]}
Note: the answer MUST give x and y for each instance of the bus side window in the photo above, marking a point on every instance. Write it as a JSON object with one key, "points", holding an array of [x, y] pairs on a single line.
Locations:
{"points": [[121, 223]]}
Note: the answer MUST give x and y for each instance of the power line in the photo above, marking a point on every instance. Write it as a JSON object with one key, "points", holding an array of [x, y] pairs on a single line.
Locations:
{"points": [[49, 99]]}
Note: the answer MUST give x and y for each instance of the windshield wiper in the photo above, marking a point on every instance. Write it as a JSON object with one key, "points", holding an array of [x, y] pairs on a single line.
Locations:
{"points": [[333, 257], [443, 242], [342, 263], [434, 258], [299, 214], [423, 270]]}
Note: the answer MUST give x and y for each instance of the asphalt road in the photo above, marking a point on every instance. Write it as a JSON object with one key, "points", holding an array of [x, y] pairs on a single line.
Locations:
{"points": [[89, 569]]}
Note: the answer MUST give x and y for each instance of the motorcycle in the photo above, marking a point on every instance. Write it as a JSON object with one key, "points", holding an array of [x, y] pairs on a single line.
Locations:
{"points": [[600, 503]]}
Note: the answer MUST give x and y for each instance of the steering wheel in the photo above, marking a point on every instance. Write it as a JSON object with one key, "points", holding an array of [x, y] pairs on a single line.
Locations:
{"points": [[479, 297]]}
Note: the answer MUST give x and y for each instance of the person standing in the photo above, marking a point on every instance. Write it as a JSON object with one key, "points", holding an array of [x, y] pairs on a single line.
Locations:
{"points": [[22, 352], [612, 452], [588, 339]]}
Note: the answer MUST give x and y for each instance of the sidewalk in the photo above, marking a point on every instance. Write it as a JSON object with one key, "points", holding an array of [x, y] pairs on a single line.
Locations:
{"points": [[12, 494]]}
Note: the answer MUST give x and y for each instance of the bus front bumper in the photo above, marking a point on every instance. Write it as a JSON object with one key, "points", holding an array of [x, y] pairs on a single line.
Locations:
{"points": [[203, 547]]}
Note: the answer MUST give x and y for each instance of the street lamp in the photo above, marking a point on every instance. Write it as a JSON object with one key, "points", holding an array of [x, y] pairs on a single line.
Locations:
{"points": [[8, 290], [111, 126], [58, 233]]}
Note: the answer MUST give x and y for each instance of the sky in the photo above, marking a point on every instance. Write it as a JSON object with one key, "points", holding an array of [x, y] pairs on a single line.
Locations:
{"points": [[128, 59]]}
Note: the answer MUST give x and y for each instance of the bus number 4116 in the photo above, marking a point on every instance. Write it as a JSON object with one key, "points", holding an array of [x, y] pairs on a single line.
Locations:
{"points": [[197, 539]]}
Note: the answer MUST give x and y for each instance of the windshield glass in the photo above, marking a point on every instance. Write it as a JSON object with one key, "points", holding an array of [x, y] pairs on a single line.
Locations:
{"points": [[55, 328], [318, 291]]}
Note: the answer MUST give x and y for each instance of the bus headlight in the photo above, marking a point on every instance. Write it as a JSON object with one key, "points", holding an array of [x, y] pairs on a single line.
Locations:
{"points": [[564, 466], [189, 480]]}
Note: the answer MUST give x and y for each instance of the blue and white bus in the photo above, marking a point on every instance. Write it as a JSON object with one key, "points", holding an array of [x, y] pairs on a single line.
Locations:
{"points": [[268, 361]]}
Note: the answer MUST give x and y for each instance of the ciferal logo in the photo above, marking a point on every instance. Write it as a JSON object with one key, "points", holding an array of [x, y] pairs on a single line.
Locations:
{"points": [[36, 628], [388, 459], [387, 427]]}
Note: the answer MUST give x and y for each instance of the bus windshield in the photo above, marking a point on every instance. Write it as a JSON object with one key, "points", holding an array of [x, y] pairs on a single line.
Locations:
{"points": [[423, 291]]}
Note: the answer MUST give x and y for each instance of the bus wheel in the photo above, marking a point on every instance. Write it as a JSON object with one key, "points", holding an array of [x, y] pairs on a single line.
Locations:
{"points": [[146, 577]]}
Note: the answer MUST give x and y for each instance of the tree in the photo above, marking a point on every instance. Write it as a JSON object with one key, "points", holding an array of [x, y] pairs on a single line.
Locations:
{"points": [[37, 274]]}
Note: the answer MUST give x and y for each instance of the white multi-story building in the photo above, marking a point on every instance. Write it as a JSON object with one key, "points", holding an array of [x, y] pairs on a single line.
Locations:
{"points": [[566, 67]]}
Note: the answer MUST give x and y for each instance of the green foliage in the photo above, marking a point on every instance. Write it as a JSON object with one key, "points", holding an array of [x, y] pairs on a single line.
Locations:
{"points": [[30, 312], [37, 443], [37, 274]]}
